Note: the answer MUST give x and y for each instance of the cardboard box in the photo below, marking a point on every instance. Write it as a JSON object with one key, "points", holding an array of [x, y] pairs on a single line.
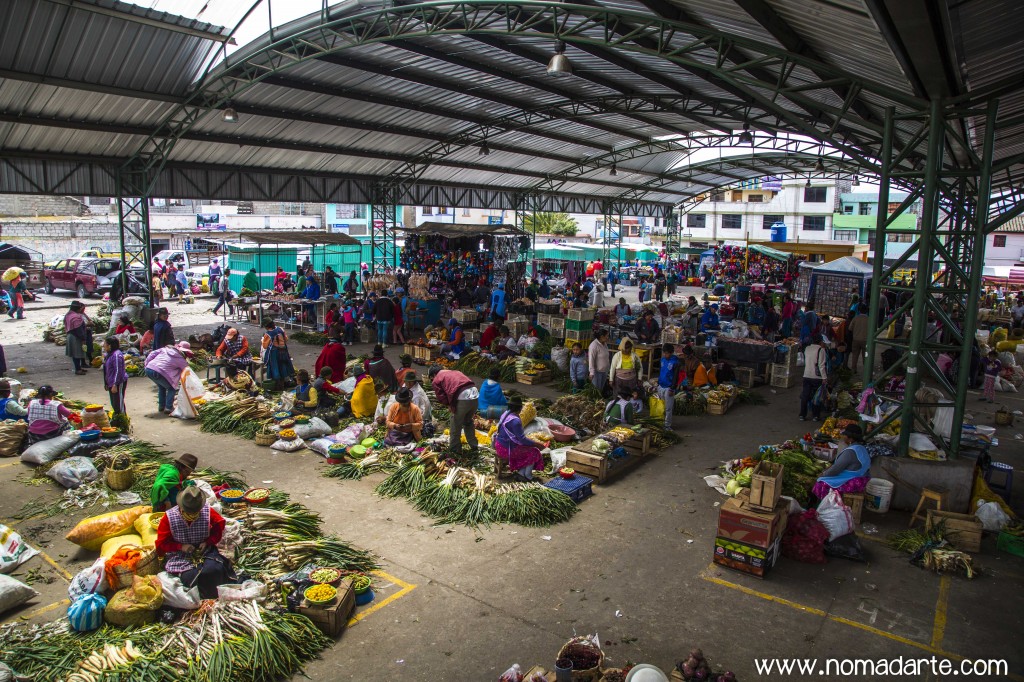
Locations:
{"points": [[739, 556], [855, 501], [749, 526], [765, 486]]}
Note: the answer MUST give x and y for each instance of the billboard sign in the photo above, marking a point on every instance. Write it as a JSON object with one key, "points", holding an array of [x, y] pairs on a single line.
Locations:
{"points": [[209, 221]]}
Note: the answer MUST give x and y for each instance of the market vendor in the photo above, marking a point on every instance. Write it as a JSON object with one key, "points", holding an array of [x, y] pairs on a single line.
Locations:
{"points": [[311, 293], [512, 445], [404, 420], [306, 397], [622, 410], [690, 365], [170, 479], [849, 473], [276, 357], [332, 355], [691, 318], [459, 394], [492, 403], [279, 279], [406, 361], [327, 393], [380, 368], [419, 399], [364, 397], [10, 408], [235, 348], [236, 380], [489, 335], [647, 329], [498, 303], [456, 343], [505, 347], [625, 369], [622, 310], [709, 320], [47, 417], [188, 535], [251, 281]]}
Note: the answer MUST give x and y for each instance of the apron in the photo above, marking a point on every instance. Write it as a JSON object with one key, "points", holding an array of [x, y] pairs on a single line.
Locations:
{"points": [[842, 477], [625, 379]]}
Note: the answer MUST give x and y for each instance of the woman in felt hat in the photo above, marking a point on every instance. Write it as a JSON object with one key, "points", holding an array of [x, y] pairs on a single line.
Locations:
{"points": [[404, 420], [850, 472], [47, 417], [170, 479], [512, 445], [188, 535], [164, 367], [78, 328]]}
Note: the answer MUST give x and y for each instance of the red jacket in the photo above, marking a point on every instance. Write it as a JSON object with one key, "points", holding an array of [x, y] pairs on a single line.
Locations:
{"points": [[165, 541], [488, 336], [333, 356], [448, 384]]}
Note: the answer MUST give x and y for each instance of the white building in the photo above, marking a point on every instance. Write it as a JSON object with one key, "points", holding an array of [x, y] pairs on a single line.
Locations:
{"points": [[1005, 246], [747, 213]]}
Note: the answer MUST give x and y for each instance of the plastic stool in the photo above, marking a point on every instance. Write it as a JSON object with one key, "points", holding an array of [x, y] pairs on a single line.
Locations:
{"points": [[937, 495], [1006, 487]]}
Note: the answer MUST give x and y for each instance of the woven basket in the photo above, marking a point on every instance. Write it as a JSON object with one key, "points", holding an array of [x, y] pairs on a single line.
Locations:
{"points": [[266, 438], [1003, 416], [120, 479], [592, 675], [149, 564], [97, 417]]}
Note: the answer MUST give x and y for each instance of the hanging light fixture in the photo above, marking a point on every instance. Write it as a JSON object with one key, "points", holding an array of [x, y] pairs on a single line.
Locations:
{"points": [[746, 137], [484, 149], [229, 115], [808, 183], [559, 64], [614, 171], [819, 167]]}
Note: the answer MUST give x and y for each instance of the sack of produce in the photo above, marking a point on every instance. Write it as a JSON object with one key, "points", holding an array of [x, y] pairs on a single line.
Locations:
{"points": [[89, 449], [560, 356], [110, 546], [805, 538], [351, 435], [13, 550], [92, 532], [315, 428], [321, 445], [175, 594], [73, 472], [95, 414], [288, 445], [45, 451], [528, 413], [146, 526], [86, 612], [14, 593], [89, 580], [12, 435], [137, 604]]}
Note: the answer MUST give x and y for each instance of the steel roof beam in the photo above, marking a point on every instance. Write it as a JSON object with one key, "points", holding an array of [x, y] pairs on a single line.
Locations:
{"points": [[460, 87], [214, 36]]}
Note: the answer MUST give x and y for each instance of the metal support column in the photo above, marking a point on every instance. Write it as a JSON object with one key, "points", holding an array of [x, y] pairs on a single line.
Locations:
{"points": [[606, 241], [929, 223], [133, 226], [881, 222], [383, 224]]}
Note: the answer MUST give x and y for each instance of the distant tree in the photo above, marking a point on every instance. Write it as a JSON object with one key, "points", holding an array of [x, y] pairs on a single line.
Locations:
{"points": [[550, 223]]}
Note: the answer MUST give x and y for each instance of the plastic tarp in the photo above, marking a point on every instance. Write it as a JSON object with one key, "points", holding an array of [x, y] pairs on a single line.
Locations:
{"points": [[770, 252], [845, 266]]}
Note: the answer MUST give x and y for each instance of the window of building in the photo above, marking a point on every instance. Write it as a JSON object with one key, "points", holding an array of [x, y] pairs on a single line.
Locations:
{"points": [[768, 220], [865, 209], [814, 222], [815, 195], [999, 240], [848, 209], [428, 210], [845, 235], [732, 221], [756, 198], [465, 212], [699, 220], [718, 196], [444, 210], [899, 237]]}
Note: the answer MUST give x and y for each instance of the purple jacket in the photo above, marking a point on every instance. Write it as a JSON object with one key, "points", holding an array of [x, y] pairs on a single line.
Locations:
{"points": [[168, 362], [114, 372]]}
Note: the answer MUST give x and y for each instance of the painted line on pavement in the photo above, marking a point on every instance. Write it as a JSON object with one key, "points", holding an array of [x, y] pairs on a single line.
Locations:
{"points": [[941, 605], [406, 589], [41, 610]]}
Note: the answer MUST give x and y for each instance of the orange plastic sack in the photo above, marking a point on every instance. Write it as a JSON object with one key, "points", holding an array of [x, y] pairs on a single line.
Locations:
{"points": [[90, 533]]}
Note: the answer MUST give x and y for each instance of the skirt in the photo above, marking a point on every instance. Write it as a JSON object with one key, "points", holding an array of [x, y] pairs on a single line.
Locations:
{"points": [[279, 363], [520, 456], [625, 380], [854, 485]]}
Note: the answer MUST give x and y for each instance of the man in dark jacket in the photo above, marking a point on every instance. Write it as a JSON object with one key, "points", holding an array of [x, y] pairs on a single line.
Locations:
{"points": [[330, 281], [459, 394], [646, 329], [384, 311]]}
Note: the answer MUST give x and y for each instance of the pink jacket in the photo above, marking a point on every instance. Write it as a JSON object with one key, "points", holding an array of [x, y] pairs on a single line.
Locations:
{"points": [[168, 362]]}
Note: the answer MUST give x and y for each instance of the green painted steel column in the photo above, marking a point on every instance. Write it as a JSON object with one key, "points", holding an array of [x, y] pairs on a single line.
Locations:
{"points": [[970, 322], [929, 220], [881, 222]]}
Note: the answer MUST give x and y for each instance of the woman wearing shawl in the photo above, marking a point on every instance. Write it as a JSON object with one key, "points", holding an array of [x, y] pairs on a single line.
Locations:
{"points": [[512, 445], [78, 327]]}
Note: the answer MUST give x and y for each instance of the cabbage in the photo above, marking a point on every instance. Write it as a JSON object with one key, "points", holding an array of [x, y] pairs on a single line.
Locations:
{"points": [[601, 447], [743, 478], [732, 487]]}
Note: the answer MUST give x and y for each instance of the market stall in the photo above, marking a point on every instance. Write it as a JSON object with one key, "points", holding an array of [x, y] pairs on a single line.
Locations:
{"points": [[832, 285]]}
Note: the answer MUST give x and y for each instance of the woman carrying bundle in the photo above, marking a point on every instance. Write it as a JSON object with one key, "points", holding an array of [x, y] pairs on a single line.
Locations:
{"points": [[512, 445]]}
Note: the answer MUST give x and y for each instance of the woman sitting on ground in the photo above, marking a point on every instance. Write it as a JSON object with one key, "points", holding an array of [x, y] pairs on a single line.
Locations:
{"points": [[47, 418], [237, 380], [623, 410], [188, 535], [404, 420], [492, 403], [379, 367], [327, 394], [306, 398], [512, 445], [364, 397], [124, 325]]}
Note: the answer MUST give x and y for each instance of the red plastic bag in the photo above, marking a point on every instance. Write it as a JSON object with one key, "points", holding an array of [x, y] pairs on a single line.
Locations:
{"points": [[805, 538]]}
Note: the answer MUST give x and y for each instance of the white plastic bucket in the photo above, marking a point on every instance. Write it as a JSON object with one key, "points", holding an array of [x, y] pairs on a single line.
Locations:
{"points": [[878, 495]]}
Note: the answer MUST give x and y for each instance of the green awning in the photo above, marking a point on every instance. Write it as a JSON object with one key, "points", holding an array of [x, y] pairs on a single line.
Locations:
{"points": [[770, 252]]}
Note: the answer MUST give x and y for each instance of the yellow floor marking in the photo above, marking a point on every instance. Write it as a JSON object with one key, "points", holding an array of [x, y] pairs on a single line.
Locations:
{"points": [[10, 464], [406, 589], [939, 626], [60, 569], [41, 610]]}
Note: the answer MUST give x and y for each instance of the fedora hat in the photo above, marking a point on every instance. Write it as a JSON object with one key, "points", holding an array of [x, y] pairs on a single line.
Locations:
{"points": [[191, 500], [189, 461]]}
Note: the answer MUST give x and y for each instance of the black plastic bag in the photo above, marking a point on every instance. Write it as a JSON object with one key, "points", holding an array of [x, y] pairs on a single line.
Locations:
{"points": [[90, 449], [846, 547]]}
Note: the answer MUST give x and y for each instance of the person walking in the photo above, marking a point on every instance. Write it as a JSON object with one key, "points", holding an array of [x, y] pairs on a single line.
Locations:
{"points": [[78, 328], [164, 367], [858, 331], [815, 372], [460, 395], [224, 292], [18, 291], [598, 360], [384, 310], [115, 376]]}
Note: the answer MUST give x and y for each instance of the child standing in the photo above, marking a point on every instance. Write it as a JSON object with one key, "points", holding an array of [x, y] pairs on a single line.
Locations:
{"points": [[115, 376], [348, 317], [991, 366], [578, 371]]}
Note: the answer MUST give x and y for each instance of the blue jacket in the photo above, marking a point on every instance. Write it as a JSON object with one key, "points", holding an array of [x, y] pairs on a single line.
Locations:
{"points": [[755, 315], [709, 320], [491, 395], [578, 367], [4, 414], [498, 302], [669, 375], [312, 292]]}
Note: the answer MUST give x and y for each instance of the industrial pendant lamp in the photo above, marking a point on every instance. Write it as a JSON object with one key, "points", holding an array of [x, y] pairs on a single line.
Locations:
{"points": [[614, 171], [484, 149], [808, 183], [746, 137], [559, 64], [819, 167], [229, 115]]}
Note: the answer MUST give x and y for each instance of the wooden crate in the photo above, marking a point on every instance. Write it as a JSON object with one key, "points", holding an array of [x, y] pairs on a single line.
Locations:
{"points": [[744, 376], [332, 619], [544, 320], [599, 467], [855, 501], [765, 486], [719, 409], [409, 349], [472, 336], [517, 327], [538, 378], [962, 530], [785, 370], [783, 376], [463, 315], [581, 313], [427, 354], [640, 444]]}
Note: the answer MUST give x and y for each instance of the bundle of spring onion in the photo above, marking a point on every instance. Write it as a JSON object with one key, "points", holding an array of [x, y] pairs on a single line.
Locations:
{"points": [[221, 641], [237, 414]]}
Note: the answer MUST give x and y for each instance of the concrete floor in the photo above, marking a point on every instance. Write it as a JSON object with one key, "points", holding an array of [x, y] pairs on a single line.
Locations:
{"points": [[633, 566]]}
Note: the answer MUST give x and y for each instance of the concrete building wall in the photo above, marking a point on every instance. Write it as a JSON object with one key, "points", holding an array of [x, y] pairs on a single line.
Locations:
{"points": [[61, 238], [1010, 252], [31, 205]]}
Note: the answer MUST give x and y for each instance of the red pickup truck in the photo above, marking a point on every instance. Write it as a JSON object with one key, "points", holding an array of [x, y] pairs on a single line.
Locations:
{"points": [[84, 276]]}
